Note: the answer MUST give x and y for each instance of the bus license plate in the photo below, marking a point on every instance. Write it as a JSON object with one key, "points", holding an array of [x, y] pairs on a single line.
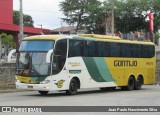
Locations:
{"points": [[31, 87]]}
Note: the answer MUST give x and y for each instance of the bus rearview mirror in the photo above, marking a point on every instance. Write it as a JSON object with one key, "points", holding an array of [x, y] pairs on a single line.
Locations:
{"points": [[48, 56], [11, 56]]}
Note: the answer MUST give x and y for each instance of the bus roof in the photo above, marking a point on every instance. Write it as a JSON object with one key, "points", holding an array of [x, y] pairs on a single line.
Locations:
{"points": [[101, 36], [114, 39], [44, 37], [87, 37]]}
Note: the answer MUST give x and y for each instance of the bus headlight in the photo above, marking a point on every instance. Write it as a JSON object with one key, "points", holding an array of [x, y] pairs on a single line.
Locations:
{"points": [[45, 82]]}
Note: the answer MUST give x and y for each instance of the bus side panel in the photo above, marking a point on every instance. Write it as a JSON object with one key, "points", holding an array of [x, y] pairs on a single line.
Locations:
{"points": [[94, 72], [122, 68]]}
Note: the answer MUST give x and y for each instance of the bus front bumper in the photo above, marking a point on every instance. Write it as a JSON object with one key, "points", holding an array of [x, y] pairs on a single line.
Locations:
{"points": [[37, 87]]}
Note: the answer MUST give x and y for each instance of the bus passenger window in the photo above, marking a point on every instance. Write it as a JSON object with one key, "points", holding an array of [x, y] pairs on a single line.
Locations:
{"points": [[151, 51], [91, 48], [115, 49], [75, 48], [136, 51], [128, 50], [144, 51]]}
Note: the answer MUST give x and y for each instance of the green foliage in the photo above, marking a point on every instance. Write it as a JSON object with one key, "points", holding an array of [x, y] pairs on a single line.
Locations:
{"points": [[130, 15], [12, 45], [81, 12], [27, 19], [157, 35], [7, 40]]}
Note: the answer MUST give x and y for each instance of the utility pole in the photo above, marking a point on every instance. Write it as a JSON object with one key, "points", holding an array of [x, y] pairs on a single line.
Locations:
{"points": [[112, 18], [21, 21]]}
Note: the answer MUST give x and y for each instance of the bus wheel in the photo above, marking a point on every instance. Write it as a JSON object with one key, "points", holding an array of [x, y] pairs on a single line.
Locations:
{"points": [[131, 84], [43, 92], [72, 87], [138, 83]]}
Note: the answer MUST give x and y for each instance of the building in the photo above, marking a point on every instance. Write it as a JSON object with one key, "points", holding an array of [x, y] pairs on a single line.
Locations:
{"points": [[68, 30], [7, 26]]}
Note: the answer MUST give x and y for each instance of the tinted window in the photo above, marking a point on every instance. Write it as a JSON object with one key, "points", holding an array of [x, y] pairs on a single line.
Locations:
{"points": [[115, 49], [144, 51], [136, 50], [109, 49], [103, 49], [75, 48], [151, 50], [128, 50], [91, 48]]}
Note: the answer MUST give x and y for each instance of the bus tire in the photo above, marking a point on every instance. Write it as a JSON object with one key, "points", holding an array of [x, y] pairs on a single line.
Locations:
{"points": [[72, 87], [138, 83], [43, 92], [131, 84]]}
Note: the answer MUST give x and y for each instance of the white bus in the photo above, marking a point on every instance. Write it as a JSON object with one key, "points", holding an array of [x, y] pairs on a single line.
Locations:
{"points": [[68, 63]]}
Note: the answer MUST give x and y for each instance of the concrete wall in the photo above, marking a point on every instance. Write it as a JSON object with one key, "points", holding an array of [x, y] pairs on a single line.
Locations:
{"points": [[7, 76]]}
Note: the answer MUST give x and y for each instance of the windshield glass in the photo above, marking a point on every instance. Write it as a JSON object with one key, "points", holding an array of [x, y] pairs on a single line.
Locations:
{"points": [[33, 64], [31, 59], [36, 45]]}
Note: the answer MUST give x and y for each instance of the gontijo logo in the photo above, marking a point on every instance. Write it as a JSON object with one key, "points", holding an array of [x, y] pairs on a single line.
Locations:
{"points": [[123, 63]]}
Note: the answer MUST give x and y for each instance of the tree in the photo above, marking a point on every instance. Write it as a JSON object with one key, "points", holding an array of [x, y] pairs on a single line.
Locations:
{"points": [[27, 19], [130, 15], [81, 12], [7, 40]]}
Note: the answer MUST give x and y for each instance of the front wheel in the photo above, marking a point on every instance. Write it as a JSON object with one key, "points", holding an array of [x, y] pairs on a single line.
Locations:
{"points": [[72, 87], [43, 92]]}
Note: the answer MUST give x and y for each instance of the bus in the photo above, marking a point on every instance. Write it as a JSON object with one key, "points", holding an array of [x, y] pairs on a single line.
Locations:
{"points": [[70, 62]]}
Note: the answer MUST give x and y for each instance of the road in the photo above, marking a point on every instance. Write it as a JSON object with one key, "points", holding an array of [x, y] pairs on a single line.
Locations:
{"points": [[148, 96]]}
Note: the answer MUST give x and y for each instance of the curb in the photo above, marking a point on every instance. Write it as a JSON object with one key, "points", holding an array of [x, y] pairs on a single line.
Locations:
{"points": [[11, 91]]}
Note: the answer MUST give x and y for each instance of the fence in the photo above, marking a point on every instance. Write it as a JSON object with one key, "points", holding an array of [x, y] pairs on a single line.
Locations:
{"points": [[140, 36]]}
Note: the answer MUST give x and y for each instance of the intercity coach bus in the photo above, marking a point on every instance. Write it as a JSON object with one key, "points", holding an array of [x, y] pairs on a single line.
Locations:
{"points": [[68, 63]]}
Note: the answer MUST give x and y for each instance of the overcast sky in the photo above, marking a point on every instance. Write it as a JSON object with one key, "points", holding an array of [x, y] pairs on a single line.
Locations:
{"points": [[43, 12]]}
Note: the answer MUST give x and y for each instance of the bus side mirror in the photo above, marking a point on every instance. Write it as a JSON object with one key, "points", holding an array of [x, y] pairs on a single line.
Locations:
{"points": [[11, 57], [48, 56]]}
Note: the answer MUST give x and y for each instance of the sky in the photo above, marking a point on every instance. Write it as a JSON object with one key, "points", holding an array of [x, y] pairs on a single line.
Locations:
{"points": [[44, 12]]}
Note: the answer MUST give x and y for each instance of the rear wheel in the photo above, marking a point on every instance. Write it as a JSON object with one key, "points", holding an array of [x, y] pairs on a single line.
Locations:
{"points": [[43, 92], [72, 87], [138, 83], [131, 84]]}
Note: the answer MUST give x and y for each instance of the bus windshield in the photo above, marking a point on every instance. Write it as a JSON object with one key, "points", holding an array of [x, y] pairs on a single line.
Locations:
{"points": [[32, 58]]}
